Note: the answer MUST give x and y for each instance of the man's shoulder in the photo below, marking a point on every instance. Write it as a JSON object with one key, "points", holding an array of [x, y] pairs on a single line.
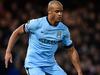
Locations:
{"points": [[40, 18], [63, 25], [37, 19]]}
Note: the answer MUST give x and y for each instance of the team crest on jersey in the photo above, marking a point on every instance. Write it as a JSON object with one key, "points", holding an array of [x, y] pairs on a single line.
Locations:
{"points": [[59, 34]]}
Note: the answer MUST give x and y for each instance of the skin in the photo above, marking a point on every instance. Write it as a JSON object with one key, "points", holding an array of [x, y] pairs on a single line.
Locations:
{"points": [[55, 11]]}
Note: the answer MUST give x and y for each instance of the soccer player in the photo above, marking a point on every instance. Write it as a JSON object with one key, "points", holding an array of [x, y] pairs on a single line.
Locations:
{"points": [[44, 35]]}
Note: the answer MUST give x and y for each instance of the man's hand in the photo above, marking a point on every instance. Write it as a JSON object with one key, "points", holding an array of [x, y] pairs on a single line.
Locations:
{"points": [[8, 58], [80, 73]]}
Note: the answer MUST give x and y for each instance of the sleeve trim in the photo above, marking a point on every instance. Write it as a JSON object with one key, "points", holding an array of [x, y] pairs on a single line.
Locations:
{"points": [[71, 45], [24, 28]]}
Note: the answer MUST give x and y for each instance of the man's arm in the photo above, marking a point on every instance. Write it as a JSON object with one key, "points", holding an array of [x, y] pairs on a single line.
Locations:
{"points": [[74, 57], [11, 43]]}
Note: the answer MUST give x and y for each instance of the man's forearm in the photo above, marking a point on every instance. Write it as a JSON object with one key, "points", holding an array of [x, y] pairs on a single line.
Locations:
{"points": [[75, 59], [14, 37], [12, 41]]}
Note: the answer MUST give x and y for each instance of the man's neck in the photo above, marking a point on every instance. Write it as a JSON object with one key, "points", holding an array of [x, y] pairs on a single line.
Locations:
{"points": [[52, 21]]}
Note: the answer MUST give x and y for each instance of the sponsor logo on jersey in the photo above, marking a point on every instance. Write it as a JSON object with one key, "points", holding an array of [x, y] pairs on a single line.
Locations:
{"points": [[46, 41]]}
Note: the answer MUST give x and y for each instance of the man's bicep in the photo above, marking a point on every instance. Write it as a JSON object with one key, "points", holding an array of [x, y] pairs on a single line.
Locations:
{"points": [[20, 30], [70, 50], [31, 25]]}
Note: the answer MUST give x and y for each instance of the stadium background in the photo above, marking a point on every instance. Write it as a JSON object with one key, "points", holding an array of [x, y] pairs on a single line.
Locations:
{"points": [[82, 17]]}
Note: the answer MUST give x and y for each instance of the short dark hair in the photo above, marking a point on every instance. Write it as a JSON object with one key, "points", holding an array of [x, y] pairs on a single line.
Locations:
{"points": [[52, 3]]}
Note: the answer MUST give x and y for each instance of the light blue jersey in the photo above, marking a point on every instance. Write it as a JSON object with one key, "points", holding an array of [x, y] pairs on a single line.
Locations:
{"points": [[43, 41]]}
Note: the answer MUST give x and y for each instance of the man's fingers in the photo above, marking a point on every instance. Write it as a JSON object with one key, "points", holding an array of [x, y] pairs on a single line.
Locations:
{"points": [[11, 60], [8, 58], [6, 64]]}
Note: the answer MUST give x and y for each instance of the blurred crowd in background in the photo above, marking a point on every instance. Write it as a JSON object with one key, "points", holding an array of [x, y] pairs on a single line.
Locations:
{"points": [[81, 16]]}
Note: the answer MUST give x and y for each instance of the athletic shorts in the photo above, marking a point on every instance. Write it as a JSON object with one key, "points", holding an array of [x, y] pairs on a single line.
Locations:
{"points": [[51, 70]]}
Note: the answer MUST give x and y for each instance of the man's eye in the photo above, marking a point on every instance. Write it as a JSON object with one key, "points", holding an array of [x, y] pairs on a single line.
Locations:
{"points": [[57, 11]]}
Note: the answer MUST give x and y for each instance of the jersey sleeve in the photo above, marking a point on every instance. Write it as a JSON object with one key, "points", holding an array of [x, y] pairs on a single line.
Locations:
{"points": [[31, 25], [67, 39]]}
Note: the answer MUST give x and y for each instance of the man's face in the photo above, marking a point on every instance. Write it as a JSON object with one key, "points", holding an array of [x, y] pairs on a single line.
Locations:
{"points": [[57, 12]]}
